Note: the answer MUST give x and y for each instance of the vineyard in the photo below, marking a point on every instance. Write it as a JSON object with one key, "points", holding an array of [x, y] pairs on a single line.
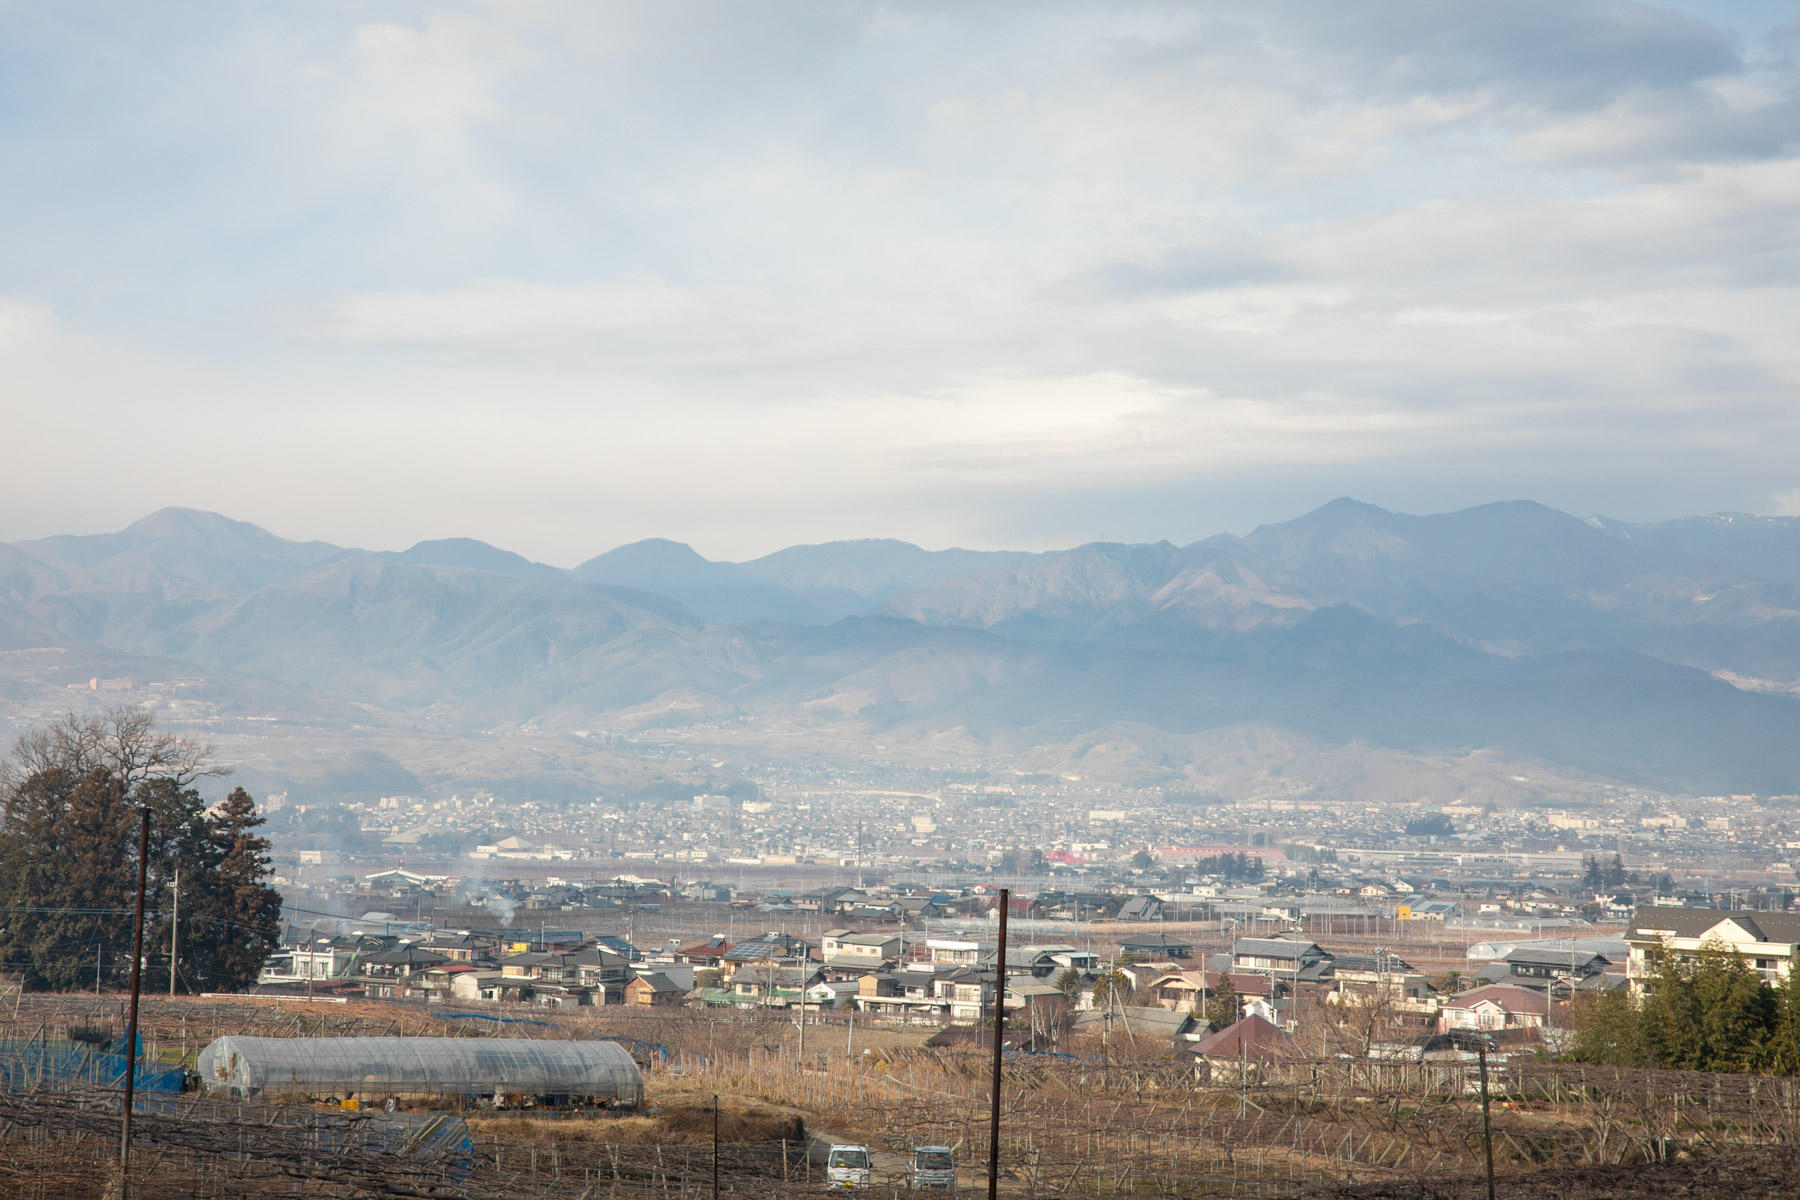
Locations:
{"points": [[1071, 1126]]}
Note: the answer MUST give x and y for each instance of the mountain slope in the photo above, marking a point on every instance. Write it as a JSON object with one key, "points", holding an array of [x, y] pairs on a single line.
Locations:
{"points": [[475, 556], [718, 591], [426, 637], [182, 550], [1510, 626], [868, 571]]}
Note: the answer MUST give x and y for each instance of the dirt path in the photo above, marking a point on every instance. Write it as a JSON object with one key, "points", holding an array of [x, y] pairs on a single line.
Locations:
{"points": [[887, 1169]]}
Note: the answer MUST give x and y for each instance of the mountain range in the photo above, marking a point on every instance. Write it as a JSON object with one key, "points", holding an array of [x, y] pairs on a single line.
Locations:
{"points": [[1659, 654]]}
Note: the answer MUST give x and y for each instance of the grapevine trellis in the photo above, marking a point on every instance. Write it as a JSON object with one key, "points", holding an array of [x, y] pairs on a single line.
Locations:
{"points": [[1072, 1126]]}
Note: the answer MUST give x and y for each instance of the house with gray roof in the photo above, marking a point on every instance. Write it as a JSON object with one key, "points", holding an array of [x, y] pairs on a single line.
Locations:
{"points": [[1766, 941]]}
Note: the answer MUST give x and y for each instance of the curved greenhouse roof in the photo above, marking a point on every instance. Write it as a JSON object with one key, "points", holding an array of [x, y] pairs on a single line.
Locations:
{"points": [[438, 1065]]}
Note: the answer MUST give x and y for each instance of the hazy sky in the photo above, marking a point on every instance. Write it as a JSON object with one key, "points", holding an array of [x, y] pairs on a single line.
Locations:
{"points": [[562, 275]]}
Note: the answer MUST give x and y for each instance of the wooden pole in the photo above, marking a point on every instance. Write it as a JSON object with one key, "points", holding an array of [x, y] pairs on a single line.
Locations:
{"points": [[131, 1026], [174, 929], [993, 1181], [715, 1146], [1487, 1129]]}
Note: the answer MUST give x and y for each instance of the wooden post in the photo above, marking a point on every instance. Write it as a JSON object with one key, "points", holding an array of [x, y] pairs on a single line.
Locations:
{"points": [[174, 929], [1487, 1129], [999, 1039], [715, 1146], [131, 1026]]}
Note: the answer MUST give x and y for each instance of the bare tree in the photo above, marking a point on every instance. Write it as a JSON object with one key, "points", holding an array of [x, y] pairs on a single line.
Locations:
{"points": [[123, 741]]}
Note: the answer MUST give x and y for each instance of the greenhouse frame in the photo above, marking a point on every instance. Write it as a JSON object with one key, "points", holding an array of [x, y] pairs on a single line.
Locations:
{"points": [[369, 1067]]}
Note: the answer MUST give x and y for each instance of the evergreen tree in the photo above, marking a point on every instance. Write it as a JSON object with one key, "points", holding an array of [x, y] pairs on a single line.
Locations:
{"points": [[71, 803], [240, 915], [1069, 984], [1223, 1007], [1615, 872], [1737, 1014], [1112, 989], [1703, 1012], [1607, 1030], [72, 864], [1784, 1042], [1592, 877]]}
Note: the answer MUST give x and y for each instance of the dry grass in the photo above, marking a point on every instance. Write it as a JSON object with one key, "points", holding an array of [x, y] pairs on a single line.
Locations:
{"points": [[684, 1122]]}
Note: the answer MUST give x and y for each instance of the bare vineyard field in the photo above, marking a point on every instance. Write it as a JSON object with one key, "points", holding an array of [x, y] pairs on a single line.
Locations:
{"points": [[1071, 1126]]}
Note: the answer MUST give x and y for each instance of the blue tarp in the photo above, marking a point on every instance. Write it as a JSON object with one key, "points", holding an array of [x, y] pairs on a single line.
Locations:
{"points": [[44, 1064]]}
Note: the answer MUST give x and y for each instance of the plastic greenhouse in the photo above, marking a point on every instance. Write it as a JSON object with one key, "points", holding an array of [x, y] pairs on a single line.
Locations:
{"points": [[410, 1066]]}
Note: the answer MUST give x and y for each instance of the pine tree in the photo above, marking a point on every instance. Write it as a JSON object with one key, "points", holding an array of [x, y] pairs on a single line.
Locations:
{"points": [[1784, 1042], [246, 912], [1737, 1014], [85, 906], [182, 854], [1223, 1007], [71, 802], [29, 873], [1069, 984], [1607, 1030]]}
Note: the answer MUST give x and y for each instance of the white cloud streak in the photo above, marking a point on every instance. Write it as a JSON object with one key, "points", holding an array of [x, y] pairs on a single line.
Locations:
{"points": [[562, 275]]}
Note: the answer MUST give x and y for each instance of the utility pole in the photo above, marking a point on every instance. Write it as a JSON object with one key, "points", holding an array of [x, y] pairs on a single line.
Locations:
{"points": [[131, 1027], [1487, 1130], [993, 1188], [174, 929]]}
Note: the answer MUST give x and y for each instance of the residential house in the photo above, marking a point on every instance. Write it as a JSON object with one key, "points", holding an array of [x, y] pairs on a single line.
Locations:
{"points": [[1536, 966], [769, 948], [918, 908], [1494, 1008], [1765, 941], [619, 946], [830, 900], [1136, 1025], [1069, 957], [653, 989], [485, 985], [844, 949], [1141, 908], [909, 995], [459, 947], [1434, 910], [832, 994], [952, 952], [1029, 961], [710, 953], [1157, 946], [587, 975], [1369, 976], [766, 983], [1252, 1050], [1276, 955], [389, 973]]}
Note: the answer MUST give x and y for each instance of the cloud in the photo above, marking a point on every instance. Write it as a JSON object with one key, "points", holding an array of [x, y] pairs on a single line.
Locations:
{"points": [[767, 275]]}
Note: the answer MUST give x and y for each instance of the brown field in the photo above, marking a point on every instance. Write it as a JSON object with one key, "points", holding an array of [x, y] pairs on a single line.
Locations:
{"points": [[1071, 1127]]}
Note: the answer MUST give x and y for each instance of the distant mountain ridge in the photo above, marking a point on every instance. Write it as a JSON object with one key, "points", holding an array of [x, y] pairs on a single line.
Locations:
{"points": [[1594, 643]]}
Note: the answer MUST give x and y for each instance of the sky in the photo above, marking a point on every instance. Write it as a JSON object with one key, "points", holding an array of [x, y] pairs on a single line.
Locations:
{"points": [[564, 275]]}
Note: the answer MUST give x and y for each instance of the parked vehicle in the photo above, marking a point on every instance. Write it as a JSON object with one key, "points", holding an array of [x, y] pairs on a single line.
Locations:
{"points": [[847, 1166], [932, 1166]]}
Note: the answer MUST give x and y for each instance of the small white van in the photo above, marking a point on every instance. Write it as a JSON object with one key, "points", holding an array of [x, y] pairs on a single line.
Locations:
{"points": [[932, 1167], [847, 1166]]}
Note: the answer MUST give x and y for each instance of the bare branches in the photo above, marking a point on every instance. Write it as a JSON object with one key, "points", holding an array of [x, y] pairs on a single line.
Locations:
{"points": [[123, 741]]}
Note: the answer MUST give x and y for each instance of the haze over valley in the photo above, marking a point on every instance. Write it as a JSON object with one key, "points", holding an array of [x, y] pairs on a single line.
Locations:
{"points": [[1509, 651]]}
